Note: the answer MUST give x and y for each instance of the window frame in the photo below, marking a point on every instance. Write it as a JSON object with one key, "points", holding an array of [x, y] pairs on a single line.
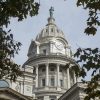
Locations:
{"points": [[52, 70], [61, 83], [43, 69], [43, 82], [44, 51], [52, 81]]}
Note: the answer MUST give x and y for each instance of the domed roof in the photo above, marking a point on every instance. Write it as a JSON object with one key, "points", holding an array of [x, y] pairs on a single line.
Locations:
{"points": [[3, 83], [50, 30]]}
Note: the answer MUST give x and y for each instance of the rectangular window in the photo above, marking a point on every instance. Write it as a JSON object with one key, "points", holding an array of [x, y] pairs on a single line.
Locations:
{"points": [[61, 83], [60, 70], [52, 81], [43, 82], [44, 51], [52, 98], [28, 88], [51, 69], [33, 88], [51, 29], [46, 30], [43, 69]]}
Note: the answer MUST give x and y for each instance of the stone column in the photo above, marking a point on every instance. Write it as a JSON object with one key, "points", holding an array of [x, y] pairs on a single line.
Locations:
{"points": [[68, 78], [58, 81], [47, 74], [37, 75], [37, 49]]}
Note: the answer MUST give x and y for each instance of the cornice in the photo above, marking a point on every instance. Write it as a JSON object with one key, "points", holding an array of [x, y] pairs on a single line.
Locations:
{"points": [[51, 56]]}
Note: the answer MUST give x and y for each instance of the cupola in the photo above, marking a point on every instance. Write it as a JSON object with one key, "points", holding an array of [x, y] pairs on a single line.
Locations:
{"points": [[51, 29]]}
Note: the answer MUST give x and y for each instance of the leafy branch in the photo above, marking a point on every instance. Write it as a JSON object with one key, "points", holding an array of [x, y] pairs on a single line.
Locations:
{"points": [[93, 21], [89, 60], [19, 9], [8, 49]]}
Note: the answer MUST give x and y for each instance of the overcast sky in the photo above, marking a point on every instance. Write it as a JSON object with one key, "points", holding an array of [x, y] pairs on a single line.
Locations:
{"points": [[69, 18]]}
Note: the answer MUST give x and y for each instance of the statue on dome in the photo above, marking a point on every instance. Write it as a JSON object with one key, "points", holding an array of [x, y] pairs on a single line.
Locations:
{"points": [[51, 12]]}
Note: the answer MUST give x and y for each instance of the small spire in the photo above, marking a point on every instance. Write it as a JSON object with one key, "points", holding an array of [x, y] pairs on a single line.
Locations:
{"points": [[51, 12]]}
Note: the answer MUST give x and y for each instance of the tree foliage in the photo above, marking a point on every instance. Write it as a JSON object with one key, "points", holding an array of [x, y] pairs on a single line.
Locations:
{"points": [[89, 59], [19, 9], [93, 20], [8, 49]]}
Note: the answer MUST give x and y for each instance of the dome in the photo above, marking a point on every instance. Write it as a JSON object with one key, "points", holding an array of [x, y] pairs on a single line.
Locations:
{"points": [[3, 83], [50, 30]]}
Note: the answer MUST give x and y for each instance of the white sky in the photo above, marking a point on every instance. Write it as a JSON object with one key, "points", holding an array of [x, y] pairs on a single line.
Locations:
{"points": [[69, 18]]}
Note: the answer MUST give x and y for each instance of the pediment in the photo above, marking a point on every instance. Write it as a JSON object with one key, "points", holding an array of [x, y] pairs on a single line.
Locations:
{"points": [[10, 94]]}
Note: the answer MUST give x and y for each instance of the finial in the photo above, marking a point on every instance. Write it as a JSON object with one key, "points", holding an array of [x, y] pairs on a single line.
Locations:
{"points": [[51, 12]]}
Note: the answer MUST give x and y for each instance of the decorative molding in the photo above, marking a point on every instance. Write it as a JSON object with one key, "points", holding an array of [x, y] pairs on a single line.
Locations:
{"points": [[52, 56]]}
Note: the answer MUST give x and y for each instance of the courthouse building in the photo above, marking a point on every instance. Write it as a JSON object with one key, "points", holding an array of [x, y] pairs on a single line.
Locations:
{"points": [[47, 75]]}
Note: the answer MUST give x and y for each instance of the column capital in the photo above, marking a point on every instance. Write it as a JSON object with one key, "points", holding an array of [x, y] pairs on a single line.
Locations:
{"points": [[36, 65], [58, 64], [46, 64], [37, 43]]}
